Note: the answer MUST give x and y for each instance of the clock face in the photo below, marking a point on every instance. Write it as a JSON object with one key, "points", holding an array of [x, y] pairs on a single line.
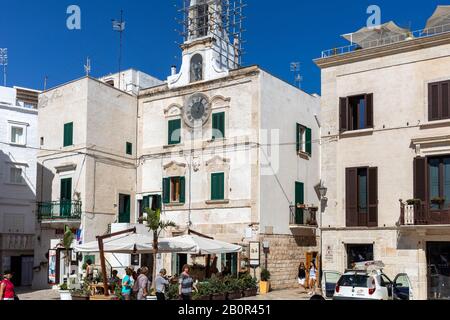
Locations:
{"points": [[197, 110]]}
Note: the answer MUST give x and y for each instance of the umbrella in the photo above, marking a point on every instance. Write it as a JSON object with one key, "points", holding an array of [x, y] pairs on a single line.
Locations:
{"points": [[203, 245], [439, 21], [135, 244], [384, 34]]}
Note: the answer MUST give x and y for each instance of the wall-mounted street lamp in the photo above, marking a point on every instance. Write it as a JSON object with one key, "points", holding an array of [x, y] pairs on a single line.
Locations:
{"points": [[323, 191]]}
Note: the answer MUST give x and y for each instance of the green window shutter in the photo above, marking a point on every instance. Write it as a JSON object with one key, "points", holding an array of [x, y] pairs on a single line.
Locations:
{"points": [[182, 189], [299, 199], [68, 134], [166, 190], [298, 137], [218, 125], [129, 148], [308, 147], [218, 186], [146, 203], [174, 131]]}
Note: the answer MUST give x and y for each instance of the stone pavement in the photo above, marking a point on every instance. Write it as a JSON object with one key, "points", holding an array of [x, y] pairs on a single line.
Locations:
{"points": [[28, 294], [293, 294]]}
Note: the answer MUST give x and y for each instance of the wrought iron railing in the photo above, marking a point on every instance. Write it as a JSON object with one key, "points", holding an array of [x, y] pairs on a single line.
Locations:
{"points": [[64, 210], [424, 33], [303, 217], [419, 213]]}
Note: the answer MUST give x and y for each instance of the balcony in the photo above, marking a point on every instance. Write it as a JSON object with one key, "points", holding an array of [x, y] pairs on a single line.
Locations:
{"points": [[16, 242], [302, 217], [417, 213], [59, 211]]}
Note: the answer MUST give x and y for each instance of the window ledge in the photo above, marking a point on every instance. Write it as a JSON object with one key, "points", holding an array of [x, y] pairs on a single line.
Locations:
{"points": [[361, 132], [174, 204], [218, 140], [225, 201], [436, 123], [22, 145], [171, 146], [304, 155]]}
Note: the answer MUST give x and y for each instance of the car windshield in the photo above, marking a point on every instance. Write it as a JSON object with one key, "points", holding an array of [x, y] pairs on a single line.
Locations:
{"points": [[354, 280]]}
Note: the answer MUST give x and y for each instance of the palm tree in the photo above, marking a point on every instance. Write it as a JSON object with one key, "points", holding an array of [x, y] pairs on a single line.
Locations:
{"points": [[156, 226], [67, 244]]}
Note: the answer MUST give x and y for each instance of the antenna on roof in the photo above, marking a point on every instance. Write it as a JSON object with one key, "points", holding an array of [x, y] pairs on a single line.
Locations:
{"points": [[87, 66], [45, 82], [4, 62], [119, 26], [295, 69]]}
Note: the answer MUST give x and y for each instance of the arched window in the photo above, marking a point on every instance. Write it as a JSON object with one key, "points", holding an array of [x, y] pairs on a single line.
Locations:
{"points": [[197, 68]]}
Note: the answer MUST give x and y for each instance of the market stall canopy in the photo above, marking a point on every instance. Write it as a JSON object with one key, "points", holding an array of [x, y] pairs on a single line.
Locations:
{"points": [[135, 244], [375, 36], [205, 246], [439, 22]]}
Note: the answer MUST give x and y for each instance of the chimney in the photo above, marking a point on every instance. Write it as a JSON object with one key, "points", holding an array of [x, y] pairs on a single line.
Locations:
{"points": [[173, 70]]}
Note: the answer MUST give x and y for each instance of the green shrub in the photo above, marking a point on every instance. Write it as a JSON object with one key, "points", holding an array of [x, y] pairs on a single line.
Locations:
{"points": [[232, 284], [265, 275], [217, 286], [248, 282], [172, 293]]}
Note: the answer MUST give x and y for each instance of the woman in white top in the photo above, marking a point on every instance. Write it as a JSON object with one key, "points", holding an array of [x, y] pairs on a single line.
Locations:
{"points": [[312, 278]]}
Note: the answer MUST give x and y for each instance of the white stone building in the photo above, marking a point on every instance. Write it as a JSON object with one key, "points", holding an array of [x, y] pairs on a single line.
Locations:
{"points": [[385, 137], [18, 144]]}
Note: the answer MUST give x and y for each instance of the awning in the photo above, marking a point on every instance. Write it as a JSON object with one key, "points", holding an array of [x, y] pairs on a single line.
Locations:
{"points": [[204, 246], [375, 36], [135, 244], [439, 22]]}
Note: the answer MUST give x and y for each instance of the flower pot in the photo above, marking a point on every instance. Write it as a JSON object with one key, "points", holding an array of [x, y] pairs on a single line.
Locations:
{"points": [[250, 293], [65, 295], [79, 298], [218, 297], [234, 295], [264, 287], [203, 298]]}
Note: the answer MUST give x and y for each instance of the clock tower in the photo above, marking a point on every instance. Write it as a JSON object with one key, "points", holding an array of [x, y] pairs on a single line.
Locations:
{"points": [[211, 44]]}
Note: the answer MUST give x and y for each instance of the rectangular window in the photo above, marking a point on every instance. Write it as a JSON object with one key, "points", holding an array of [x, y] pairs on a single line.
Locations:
{"points": [[174, 190], [129, 148], [362, 197], [439, 182], [16, 176], [439, 101], [68, 134], [299, 200], [174, 134], [218, 186], [304, 139], [356, 112], [17, 135], [218, 122]]}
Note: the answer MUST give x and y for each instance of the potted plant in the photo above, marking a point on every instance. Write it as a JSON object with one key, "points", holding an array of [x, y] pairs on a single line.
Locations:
{"points": [[218, 289], [64, 292], [203, 292], [172, 292], [264, 284], [233, 288], [83, 293], [249, 285]]}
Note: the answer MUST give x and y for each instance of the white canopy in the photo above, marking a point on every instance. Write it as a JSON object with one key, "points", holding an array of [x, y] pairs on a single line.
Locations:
{"points": [[439, 21], [203, 245], [138, 243], [384, 34], [134, 243]]}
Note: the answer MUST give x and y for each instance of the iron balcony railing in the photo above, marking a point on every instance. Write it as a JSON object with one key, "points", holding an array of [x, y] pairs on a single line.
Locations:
{"points": [[419, 213], [424, 33], [59, 210], [303, 217]]}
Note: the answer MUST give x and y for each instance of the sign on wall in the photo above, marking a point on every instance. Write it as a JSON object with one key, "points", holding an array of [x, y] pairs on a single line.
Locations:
{"points": [[254, 254], [52, 256]]}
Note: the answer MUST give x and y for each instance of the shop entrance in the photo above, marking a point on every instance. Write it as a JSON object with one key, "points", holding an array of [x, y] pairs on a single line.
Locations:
{"points": [[438, 257], [358, 253]]}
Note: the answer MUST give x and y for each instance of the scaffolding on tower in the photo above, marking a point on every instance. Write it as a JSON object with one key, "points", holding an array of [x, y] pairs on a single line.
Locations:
{"points": [[219, 19]]}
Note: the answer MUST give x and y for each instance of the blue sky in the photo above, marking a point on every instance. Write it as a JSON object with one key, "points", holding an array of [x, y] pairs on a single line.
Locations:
{"points": [[278, 32]]}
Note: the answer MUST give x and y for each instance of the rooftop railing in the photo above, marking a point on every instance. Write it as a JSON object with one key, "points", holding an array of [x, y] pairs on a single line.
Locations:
{"points": [[424, 33]]}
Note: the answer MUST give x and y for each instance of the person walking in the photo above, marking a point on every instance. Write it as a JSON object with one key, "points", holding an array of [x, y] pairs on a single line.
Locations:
{"points": [[127, 284], [302, 276], [7, 287], [114, 282], [186, 284], [161, 282], [142, 284], [89, 270], [312, 277]]}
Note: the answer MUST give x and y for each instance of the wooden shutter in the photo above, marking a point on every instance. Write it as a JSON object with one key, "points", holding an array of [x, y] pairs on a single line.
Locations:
{"points": [[343, 114], [369, 110], [174, 132], [373, 197], [299, 128], [129, 148], [217, 186], [433, 101], [299, 199], [68, 134], [218, 125], [351, 197], [182, 190], [445, 96], [145, 203], [166, 190], [308, 141], [420, 179]]}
